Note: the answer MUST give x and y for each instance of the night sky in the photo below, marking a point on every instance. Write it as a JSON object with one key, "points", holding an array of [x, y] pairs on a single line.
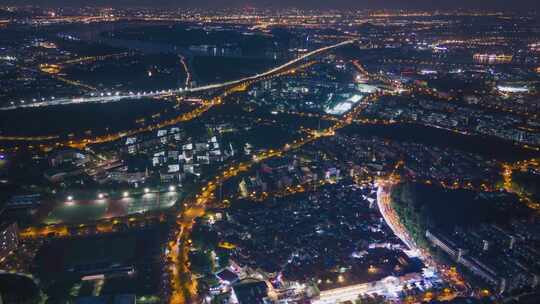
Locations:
{"points": [[411, 4]]}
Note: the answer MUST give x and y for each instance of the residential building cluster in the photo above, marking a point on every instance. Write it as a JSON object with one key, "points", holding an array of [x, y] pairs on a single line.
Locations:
{"points": [[505, 257], [174, 155], [459, 118], [331, 237], [377, 156]]}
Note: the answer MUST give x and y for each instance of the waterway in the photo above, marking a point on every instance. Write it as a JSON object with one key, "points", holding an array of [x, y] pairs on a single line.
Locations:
{"points": [[79, 118], [486, 146]]}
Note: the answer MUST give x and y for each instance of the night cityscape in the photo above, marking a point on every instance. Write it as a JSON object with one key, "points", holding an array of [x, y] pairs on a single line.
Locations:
{"points": [[269, 152]]}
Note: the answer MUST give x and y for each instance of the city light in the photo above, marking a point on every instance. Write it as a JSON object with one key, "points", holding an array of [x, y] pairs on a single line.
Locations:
{"points": [[327, 171], [513, 89]]}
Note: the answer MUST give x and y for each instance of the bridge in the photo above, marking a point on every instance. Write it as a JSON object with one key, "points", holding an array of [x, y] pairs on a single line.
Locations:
{"points": [[118, 96]]}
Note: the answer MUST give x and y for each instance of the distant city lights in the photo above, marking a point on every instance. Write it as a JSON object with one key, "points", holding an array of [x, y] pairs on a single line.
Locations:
{"points": [[492, 58], [427, 72], [512, 89]]}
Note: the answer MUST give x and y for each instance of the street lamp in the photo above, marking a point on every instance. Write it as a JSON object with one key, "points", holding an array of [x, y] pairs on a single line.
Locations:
{"points": [[146, 190], [172, 188], [125, 194], [101, 196], [70, 198]]}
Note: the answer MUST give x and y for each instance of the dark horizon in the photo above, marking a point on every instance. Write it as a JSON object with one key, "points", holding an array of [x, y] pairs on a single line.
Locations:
{"points": [[304, 4]]}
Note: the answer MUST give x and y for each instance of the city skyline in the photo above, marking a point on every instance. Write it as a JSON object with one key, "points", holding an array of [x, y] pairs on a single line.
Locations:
{"points": [[304, 4]]}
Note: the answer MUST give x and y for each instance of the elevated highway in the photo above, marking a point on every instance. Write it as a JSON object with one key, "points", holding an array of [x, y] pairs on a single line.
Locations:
{"points": [[119, 96]]}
